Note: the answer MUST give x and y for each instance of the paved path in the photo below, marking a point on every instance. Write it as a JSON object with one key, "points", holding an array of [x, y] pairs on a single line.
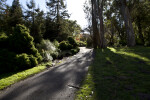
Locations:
{"points": [[58, 83]]}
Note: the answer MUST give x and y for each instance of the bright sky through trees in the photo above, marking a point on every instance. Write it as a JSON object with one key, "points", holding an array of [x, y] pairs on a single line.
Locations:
{"points": [[74, 7]]}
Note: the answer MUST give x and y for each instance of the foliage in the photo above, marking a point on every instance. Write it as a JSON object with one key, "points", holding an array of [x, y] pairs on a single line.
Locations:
{"points": [[15, 14], [25, 61], [69, 47], [18, 51], [35, 21], [72, 41], [81, 43], [7, 61], [74, 51], [4, 40], [48, 50], [22, 42], [65, 45], [10, 61], [56, 43]]}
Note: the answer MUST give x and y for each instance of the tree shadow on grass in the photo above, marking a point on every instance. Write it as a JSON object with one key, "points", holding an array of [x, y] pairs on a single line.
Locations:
{"points": [[120, 77]]}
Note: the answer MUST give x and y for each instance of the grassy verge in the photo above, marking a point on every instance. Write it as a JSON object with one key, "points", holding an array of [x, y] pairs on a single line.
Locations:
{"points": [[118, 74], [11, 78]]}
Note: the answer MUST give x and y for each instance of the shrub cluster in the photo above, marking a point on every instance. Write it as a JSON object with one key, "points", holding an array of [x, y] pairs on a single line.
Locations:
{"points": [[48, 50], [81, 44], [69, 47], [18, 51]]}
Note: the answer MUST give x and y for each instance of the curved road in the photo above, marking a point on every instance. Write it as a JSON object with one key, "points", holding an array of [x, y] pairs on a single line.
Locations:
{"points": [[57, 83]]}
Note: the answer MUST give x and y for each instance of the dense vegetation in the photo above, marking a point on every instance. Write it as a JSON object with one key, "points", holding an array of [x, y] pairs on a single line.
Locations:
{"points": [[118, 22], [31, 36]]}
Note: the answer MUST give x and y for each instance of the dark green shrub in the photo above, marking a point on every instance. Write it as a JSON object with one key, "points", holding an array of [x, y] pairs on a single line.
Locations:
{"points": [[64, 45], [33, 60], [7, 61], [23, 61], [4, 41], [56, 43], [22, 42], [54, 55], [81, 44], [72, 41], [74, 51]]}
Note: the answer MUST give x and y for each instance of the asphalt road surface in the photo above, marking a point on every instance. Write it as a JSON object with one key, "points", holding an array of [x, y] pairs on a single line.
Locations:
{"points": [[57, 83]]}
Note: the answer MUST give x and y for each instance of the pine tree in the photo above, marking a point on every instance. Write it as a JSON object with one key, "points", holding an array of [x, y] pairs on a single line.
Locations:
{"points": [[15, 14], [57, 12]]}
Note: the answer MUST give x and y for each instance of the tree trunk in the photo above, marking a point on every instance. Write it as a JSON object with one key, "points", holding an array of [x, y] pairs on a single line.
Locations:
{"points": [[94, 24], [140, 31], [128, 24], [101, 34], [112, 34]]}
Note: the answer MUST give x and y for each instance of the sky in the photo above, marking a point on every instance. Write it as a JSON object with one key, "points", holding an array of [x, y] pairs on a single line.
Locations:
{"points": [[74, 7]]}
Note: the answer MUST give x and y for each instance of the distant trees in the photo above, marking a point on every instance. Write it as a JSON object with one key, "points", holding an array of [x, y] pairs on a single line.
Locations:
{"points": [[57, 13], [118, 22], [97, 22], [35, 21], [4, 10], [15, 14]]}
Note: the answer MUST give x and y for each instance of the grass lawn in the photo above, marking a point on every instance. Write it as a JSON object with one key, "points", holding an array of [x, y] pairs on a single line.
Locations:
{"points": [[118, 74], [11, 78]]}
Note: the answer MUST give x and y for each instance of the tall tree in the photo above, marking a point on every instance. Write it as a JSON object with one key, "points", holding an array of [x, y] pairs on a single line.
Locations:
{"points": [[128, 23], [97, 20], [16, 15], [94, 24], [4, 15], [101, 34], [57, 12], [35, 21], [31, 13]]}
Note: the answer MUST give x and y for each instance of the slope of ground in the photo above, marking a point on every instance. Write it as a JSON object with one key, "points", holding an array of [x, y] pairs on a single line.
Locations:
{"points": [[118, 74]]}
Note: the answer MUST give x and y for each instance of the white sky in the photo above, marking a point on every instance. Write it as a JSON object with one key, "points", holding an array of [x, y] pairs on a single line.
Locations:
{"points": [[74, 7]]}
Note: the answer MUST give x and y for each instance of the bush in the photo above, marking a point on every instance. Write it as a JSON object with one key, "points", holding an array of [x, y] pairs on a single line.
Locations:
{"points": [[47, 56], [56, 43], [33, 60], [68, 47], [81, 44], [65, 45], [74, 51], [18, 51], [23, 61], [72, 41], [48, 50], [55, 55], [22, 42], [7, 61], [4, 40]]}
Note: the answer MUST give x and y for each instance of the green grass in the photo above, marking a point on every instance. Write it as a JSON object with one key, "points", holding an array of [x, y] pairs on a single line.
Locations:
{"points": [[11, 78], [118, 74]]}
